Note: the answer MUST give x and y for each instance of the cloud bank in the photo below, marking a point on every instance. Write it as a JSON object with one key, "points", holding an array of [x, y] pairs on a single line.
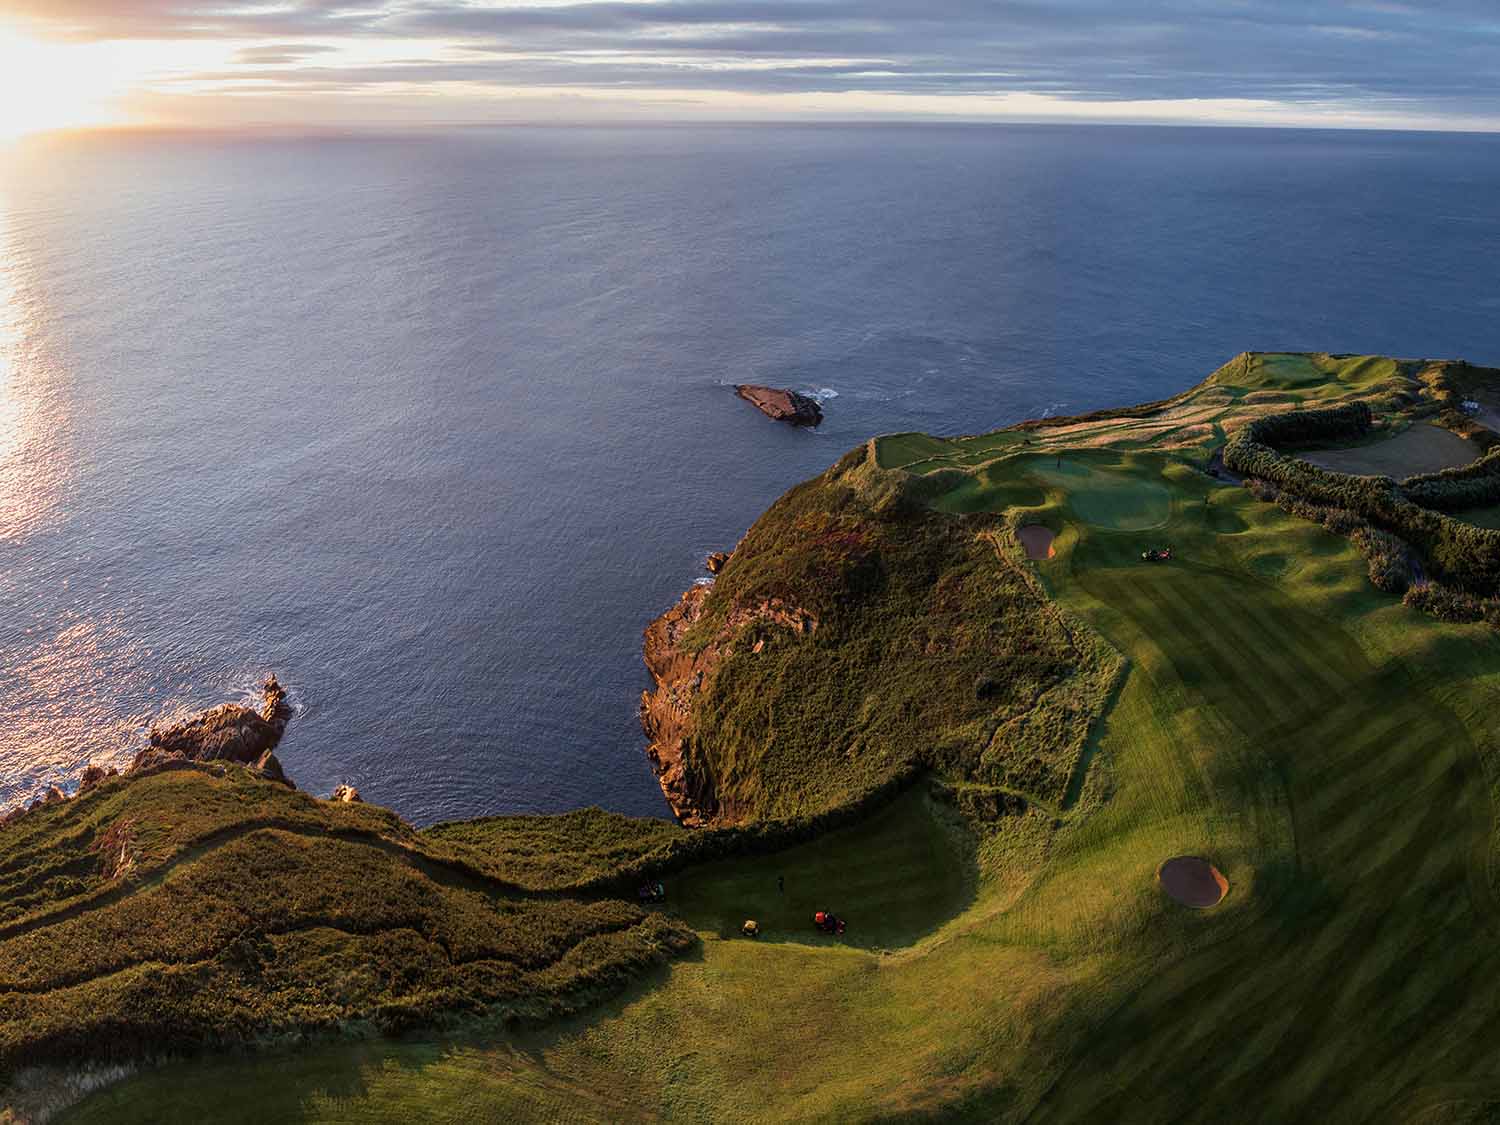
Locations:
{"points": [[1360, 61]]}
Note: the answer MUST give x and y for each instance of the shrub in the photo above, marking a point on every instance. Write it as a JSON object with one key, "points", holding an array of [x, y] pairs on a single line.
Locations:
{"points": [[1447, 604], [1452, 490], [1312, 427], [1388, 558]]}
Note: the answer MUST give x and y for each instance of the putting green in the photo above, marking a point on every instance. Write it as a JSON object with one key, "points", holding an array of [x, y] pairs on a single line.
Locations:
{"points": [[1104, 496]]}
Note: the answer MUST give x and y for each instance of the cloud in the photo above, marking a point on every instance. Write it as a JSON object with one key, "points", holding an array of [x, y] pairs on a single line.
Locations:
{"points": [[1443, 57], [281, 54]]}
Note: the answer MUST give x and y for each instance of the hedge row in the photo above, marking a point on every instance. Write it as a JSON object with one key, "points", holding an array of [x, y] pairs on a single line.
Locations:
{"points": [[1464, 556], [1311, 427], [1452, 490], [1453, 605]]}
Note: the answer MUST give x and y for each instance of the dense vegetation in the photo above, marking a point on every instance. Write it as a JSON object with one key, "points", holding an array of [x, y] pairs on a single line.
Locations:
{"points": [[1460, 554], [1454, 490], [930, 645], [207, 905]]}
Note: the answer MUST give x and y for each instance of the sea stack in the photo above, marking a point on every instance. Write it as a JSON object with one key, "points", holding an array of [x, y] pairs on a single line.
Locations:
{"points": [[782, 405]]}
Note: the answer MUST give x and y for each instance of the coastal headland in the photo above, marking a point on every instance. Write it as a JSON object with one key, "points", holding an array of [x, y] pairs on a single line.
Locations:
{"points": [[1086, 804]]}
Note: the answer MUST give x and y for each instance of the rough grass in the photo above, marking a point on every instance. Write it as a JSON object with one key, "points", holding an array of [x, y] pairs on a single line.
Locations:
{"points": [[933, 648], [563, 852], [208, 906]]}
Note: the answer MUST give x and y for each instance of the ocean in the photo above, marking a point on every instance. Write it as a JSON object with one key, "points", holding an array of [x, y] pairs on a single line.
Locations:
{"points": [[433, 425]]}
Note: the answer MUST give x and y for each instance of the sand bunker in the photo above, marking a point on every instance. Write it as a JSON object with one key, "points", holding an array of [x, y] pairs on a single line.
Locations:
{"points": [[1192, 881], [1037, 540]]}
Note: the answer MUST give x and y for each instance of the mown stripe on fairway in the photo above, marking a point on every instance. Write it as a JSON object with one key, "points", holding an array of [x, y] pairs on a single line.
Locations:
{"points": [[1385, 814], [1267, 669], [1409, 770], [1214, 655]]}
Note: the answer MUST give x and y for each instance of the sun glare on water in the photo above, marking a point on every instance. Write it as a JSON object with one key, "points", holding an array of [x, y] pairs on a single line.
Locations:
{"points": [[45, 85]]}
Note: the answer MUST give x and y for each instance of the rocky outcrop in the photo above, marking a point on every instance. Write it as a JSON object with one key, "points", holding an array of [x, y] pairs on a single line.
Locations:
{"points": [[346, 794], [782, 405], [93, 775], [270, 765], [681, 675], [716, 561], [231, 732], [666, 713]]}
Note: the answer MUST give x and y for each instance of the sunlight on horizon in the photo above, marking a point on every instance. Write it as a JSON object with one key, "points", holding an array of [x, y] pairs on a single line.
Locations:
{"points": [[46, 86]]}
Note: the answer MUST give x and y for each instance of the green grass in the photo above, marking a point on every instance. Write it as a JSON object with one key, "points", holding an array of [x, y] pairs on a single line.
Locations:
{"points": [[897, 451], [1422, 448], [202, 905], [543, 853], [1312, 374], [1102, 496]]}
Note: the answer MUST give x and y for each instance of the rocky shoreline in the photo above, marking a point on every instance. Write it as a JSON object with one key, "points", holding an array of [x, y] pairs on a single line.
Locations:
{"points": [[231, 732]]}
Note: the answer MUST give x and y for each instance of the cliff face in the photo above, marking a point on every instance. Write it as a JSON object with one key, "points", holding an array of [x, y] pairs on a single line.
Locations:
{"points": [[682, 675], [666, 713]]}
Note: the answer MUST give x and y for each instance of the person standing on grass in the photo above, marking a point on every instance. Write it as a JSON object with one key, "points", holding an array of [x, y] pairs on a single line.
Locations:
{"points": [[781, 884]]}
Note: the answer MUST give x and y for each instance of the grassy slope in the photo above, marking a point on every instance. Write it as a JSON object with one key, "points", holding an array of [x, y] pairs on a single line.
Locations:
{"points": [[1329, 750], [164, 911]]}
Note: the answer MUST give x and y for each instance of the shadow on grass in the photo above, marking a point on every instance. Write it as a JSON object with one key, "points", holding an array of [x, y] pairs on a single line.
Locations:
{"points": [[895, 878]]}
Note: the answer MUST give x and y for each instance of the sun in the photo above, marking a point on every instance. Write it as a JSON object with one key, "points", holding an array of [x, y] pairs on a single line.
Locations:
{"points": [[48, 85]]}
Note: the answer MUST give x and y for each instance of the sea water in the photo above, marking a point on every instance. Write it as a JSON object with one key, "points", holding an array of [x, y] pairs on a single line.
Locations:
{"points": [[432, 425]]}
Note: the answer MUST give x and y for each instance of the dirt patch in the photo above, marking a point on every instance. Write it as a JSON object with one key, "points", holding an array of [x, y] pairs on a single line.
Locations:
{"points": [[1037, 540], [1192, 881]]}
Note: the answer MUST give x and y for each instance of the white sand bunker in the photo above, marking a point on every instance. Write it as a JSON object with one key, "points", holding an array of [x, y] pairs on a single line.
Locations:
{"points": [[1037, 540], [1192, 881]]}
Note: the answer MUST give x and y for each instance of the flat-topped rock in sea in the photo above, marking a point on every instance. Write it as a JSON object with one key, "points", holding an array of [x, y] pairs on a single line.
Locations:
{"points": [[782, 405]]}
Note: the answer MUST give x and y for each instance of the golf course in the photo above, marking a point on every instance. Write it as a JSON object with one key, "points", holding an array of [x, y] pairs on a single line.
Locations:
{"points": [[1205, 837]]}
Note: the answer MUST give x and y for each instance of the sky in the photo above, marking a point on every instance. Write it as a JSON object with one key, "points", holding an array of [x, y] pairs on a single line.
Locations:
{"points": [[1345, 63]]}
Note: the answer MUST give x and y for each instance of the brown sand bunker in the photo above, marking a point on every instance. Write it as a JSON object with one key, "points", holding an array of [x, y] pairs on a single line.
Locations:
{"points": [[1037, 540], [1192, 881]]}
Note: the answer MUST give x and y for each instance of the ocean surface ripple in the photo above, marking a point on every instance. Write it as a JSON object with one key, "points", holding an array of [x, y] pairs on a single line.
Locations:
{"points": [[432, 426]]}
